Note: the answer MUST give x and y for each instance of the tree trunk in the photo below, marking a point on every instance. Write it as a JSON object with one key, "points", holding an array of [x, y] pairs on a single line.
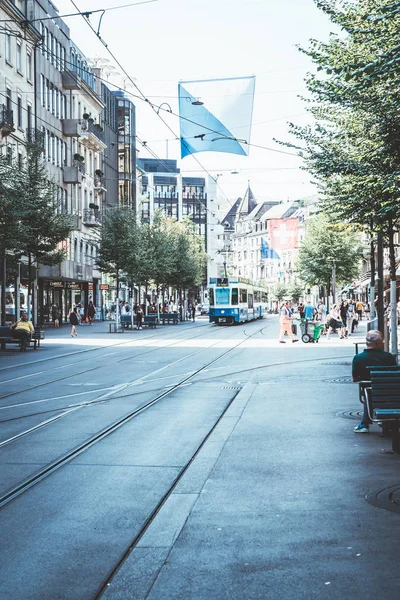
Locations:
{"points": [[117, 319], [380, 307], [30, 286], [372, 284], [328, 293], [3, 281], [393, 303]]}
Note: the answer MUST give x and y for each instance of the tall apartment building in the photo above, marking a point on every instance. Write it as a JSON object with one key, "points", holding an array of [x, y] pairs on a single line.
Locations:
{"points": [[179, 196], [17, 77], [126, 118]]}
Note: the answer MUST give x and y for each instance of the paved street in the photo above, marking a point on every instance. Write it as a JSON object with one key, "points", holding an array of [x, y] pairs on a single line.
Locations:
{"points": [[244, 480]]}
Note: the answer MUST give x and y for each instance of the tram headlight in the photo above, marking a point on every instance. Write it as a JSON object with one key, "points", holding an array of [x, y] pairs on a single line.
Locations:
{"points": [[222, 312]]}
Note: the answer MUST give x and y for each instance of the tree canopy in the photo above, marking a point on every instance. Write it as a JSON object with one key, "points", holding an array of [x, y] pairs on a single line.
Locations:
{"points": [[325, 248]]}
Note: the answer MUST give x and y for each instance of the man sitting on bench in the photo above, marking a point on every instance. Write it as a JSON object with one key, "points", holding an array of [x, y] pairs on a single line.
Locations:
{"points": [[23, 329], [372, 356]]}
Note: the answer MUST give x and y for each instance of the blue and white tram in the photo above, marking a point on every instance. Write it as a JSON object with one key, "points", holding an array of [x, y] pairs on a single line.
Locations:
{"points": [[236, 300]]}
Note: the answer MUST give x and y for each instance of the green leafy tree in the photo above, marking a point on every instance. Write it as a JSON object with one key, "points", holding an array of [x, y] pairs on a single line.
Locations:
{"points": [[280, 292], [325, 248], [295, 291], [44, 227], [353, 150], [12, 229], [115, 251]]}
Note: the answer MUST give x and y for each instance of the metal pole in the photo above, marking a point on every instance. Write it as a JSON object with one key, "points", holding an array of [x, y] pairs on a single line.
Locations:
{"points": [[380, 307], [334, 282], [3, 291]]}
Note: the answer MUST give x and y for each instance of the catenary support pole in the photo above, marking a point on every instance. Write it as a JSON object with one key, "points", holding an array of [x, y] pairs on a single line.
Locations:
{"points": [[380, 308]]}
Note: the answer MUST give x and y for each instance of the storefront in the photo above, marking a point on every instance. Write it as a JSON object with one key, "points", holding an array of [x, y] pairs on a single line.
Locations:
{"points": [[63, 295]]}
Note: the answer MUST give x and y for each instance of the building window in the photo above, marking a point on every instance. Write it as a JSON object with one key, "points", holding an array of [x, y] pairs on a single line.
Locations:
{"points": [[20, 160], [9, 99], [29, 117], [8, 47], [42, 90], [19, 111], [19, 56], [29, 66], [9, 155]]}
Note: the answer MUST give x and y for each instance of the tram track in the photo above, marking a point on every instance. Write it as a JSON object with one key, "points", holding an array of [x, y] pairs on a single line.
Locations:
{"points": [[78, 352], [68, 409], [59, 462], [82, 372], [108, 430]]}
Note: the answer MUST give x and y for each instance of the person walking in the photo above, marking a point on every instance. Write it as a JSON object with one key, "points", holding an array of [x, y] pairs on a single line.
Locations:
{"points": [[372, 356], [359, 309], [139, 317], [55, 314], [286, 318], [321, 315], [91, 311], [351, 311], [74, 319], [343, 311], [193, 312]]}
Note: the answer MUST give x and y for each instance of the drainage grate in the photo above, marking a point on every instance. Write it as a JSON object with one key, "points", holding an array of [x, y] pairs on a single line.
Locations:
{"points": [[231, 388], [351, 414], [340, 380], [388, 498]]}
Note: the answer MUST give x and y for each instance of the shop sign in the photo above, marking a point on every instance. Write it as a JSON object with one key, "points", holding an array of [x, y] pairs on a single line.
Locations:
{"points": [[56, 284], [90, 286], [104, 286], [74, 286]]}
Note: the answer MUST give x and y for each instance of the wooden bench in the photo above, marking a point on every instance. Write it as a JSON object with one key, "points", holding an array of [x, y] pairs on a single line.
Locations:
{"points": [[9, 336], [169, 318], [383, 401]]}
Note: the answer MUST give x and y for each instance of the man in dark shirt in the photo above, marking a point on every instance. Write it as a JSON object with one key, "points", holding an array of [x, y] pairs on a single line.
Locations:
{"points": [[372, 356]]}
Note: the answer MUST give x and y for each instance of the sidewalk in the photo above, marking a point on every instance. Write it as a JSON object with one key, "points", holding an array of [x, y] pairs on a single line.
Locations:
{"points": [[274, 506]]}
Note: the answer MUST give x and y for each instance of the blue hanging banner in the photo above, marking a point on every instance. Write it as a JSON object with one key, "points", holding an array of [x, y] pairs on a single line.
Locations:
{"points": [[216, 115]]}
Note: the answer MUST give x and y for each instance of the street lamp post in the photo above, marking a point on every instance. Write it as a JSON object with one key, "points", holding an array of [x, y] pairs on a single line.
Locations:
{"points": [[334, 282]]}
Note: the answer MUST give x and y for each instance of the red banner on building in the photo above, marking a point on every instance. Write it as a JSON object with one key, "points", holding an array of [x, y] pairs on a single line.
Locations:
{"points": [[283, 234]]}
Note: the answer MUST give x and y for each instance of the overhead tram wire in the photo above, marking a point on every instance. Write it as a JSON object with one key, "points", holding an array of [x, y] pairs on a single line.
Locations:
{"points": [[143, 95], [156, 108], [77, 14]]}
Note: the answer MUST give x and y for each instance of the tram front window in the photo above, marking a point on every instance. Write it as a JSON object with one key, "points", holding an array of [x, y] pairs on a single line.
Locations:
{"points": [[222, 296]]}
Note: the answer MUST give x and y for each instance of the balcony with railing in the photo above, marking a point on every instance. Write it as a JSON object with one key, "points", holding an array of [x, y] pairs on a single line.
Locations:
{"points": [[71, 80], [71, 127], [91, 217], [92, 136], [98, 182], [6, 121], [75, 173]]}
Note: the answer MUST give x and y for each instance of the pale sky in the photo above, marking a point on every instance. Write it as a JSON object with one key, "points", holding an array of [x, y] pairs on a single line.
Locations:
{"points": [[166, 41]]}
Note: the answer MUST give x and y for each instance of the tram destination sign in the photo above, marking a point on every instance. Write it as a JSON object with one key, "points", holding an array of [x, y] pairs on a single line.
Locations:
{"points": [[222, 281]]}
